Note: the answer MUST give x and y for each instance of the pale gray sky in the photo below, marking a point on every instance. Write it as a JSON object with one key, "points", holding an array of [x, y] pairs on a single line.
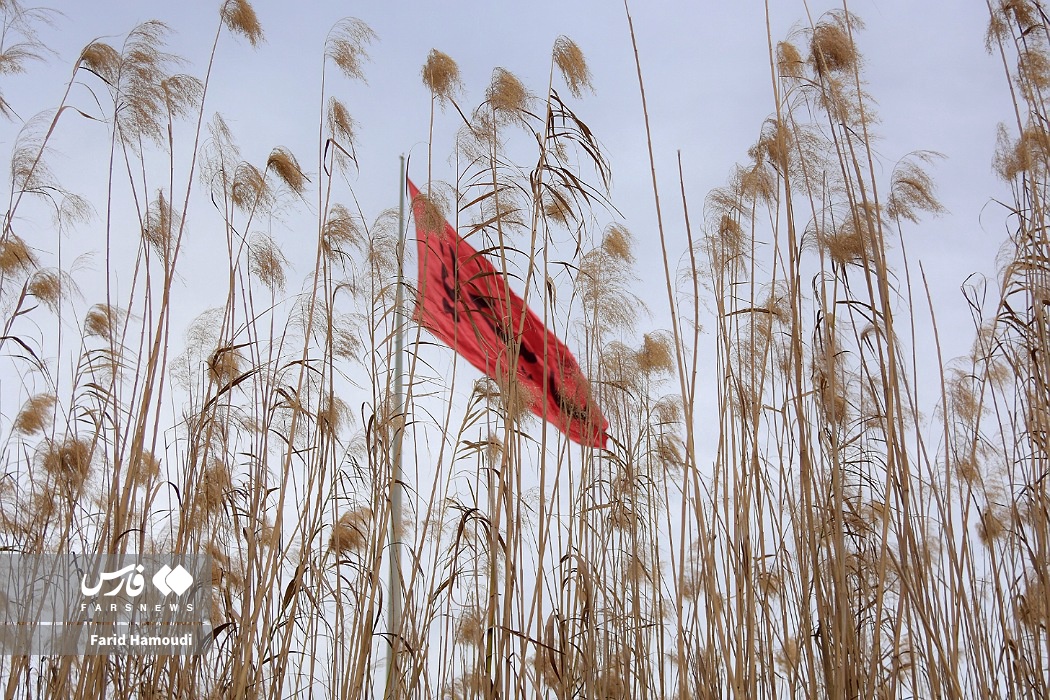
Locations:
{"points": [[707, 79]]}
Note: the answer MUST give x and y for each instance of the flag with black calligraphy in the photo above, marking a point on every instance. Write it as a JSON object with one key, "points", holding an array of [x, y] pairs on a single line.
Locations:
{"points": [[463, 301]]}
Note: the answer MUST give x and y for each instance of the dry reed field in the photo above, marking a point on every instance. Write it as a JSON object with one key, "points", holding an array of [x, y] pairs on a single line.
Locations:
{"points": [[386, 522]]}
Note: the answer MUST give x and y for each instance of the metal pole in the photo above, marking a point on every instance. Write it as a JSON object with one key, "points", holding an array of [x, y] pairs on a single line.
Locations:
{"points": [[395, 480]]}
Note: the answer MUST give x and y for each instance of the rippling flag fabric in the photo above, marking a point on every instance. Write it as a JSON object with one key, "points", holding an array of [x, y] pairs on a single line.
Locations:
{"points": [[463, 301]]}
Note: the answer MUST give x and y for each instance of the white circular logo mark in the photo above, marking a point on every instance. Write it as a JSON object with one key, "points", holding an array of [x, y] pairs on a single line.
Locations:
{"points": [[168, 580]]}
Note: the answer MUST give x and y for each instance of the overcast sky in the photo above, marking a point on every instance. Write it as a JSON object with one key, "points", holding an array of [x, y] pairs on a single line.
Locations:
{"points": [[707, 79]]}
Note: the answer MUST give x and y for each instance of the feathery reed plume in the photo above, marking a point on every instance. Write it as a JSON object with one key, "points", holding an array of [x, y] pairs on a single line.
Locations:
{"points": [[284, 164], [616, 243], [101, 59], [516, 400], [332, 416], [494, 450], [573, 66], [36, 415], [441, 76], [725, 241], [141, 100], [182, 94], [146, 468], [224, 365], [342, 235], [350, 533], [788, 655], [911, 189], [1033, 71], [668, 410], [15, 255], [29, 169], [160, 225], [831, 49], [757, 182], [1020, 14], [266, 262], [347, 46], [1032, 607], [380, 248], [656, 356], [502, 210], [507, 96], [487, 390], [472, 683], [213, 486], [249, 189], [851, 242], [220, 153], [16, 55], [430, 214], [789, 60], [775, 146], [22, 44], [991, 526], [50, 287], [470, 629], [605, 280], [240, 18], [102, 320], [31, 172], [546, 669], [68, 462], [1029, 152], [346, 341], [340, 124], [557, 205]]}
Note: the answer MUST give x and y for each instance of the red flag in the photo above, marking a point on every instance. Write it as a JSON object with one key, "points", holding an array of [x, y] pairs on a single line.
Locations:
{"points": [[463, 301]]}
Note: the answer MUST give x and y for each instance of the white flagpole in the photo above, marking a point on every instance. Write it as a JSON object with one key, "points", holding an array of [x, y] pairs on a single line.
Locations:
{"points": [[395, 479]]}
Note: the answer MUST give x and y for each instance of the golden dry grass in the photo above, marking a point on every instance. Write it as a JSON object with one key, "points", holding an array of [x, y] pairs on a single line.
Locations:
{"points": [[819, 547]]}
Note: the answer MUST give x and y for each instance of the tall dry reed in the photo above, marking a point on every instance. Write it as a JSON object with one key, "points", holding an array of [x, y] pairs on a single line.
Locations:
{"points": [[821, 547]]}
